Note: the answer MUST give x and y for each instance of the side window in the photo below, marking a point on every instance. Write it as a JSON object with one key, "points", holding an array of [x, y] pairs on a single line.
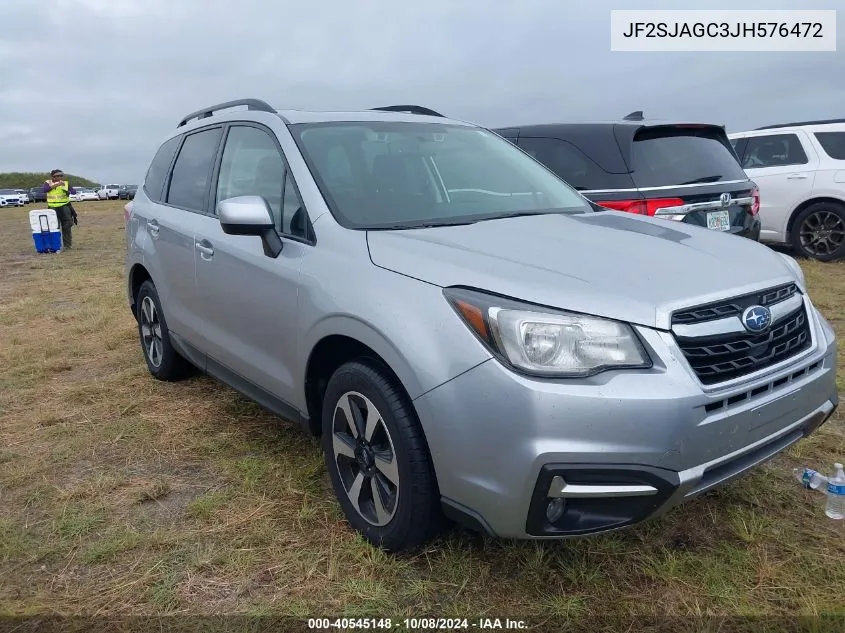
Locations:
{"points": [[192, 170], [833, 144], [567, 161], [252, 166], [154, 180], [773, 150]]}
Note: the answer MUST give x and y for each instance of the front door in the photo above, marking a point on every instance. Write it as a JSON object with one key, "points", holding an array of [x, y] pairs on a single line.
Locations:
{"points": [[249, 300]]}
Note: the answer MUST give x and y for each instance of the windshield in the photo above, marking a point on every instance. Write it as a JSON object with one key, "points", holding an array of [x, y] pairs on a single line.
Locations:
{"points": [[383, 174], [706, 152], [7, 192]]}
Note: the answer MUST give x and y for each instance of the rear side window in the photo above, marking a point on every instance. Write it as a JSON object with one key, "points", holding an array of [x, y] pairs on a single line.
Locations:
{"points": [[833, 144], [192, 170], [158, 168], [570, 163], [671, 156], [773, 150]]}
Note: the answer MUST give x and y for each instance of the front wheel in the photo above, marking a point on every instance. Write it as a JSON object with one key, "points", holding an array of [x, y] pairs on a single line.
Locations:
{"points": [[378, 459], [819, 232]]}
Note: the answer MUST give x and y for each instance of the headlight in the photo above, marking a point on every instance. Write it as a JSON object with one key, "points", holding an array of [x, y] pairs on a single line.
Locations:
{"points": [[545, 342], [795, 267]]}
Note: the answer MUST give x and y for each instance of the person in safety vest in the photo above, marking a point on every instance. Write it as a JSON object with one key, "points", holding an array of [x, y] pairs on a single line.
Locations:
{"points": [[58, 197]]}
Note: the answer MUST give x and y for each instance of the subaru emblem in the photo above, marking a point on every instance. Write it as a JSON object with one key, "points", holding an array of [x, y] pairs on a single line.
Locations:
{"points": [[725, 199], [756, 319]]}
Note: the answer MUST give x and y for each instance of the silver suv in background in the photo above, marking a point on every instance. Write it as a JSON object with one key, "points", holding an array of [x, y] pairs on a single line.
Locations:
{"points": [[470, 336]]}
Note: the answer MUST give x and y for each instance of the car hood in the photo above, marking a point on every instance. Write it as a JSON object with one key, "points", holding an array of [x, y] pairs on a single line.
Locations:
{"points": [[609, 264]]}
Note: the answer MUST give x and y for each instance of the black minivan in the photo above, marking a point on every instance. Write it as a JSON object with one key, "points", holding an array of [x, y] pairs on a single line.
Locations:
{"points": [[687, 172]]}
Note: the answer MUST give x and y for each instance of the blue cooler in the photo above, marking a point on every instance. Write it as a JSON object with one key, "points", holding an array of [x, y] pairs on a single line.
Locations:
{"points": [[45, 230]]}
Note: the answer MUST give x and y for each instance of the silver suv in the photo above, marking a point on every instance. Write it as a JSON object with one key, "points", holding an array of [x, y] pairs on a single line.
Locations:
{"points": [[471, 337]]}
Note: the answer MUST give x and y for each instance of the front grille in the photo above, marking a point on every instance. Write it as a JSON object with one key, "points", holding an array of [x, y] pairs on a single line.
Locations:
{"points": [[723, 309], [722, 357]]}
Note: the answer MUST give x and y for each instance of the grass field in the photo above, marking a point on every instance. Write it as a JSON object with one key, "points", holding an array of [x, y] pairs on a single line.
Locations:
{"points": [[123, 495]]}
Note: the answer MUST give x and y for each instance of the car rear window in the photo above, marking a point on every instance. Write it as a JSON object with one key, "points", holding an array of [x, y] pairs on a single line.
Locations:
{"points": [[667, 156]]}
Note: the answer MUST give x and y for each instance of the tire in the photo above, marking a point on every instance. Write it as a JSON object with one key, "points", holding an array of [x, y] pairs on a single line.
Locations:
{"points": [[163, 361], [819, 232], [410, 513]]}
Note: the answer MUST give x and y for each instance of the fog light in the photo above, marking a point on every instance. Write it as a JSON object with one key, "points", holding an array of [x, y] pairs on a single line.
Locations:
{"points": [[555, 509]]}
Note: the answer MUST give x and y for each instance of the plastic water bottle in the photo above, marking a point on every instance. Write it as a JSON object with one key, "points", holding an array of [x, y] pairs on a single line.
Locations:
{"points": [[810, 478], [835, 508]]}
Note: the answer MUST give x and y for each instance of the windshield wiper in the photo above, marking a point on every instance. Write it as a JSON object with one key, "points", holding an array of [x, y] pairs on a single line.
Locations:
{"points": [[715, 178], [423, 225]]}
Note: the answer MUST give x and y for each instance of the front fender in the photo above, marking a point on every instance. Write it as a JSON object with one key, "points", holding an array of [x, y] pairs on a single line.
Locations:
{"points": [[410, 326]]}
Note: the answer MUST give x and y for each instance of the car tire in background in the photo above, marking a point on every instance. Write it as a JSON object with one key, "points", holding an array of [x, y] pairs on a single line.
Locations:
{"points": [[163, 361], [819, 232], [387, 458]]}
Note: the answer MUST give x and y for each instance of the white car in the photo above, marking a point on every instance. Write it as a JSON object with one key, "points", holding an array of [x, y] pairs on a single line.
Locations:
{"points": [[25, 194], [11, 198], [86, 193], [800, 170], [108, 192], [76, 197]]}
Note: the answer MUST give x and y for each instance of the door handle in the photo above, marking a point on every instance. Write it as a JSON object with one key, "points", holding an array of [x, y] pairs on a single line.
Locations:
{"points": [[206, 249], [152, 228], [797, 177]]}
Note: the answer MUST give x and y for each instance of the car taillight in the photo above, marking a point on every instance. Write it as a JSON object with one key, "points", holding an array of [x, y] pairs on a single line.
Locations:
{"points": [[642, 207], [127, 212], [755, 201]]}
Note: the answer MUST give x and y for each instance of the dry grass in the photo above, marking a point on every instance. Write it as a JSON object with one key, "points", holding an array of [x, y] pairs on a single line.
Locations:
{"points": [[123, 495]]}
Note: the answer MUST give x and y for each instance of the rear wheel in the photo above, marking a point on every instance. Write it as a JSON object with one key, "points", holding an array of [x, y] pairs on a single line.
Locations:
{"points": [[819, 232], [163, 361], [378, 460]]}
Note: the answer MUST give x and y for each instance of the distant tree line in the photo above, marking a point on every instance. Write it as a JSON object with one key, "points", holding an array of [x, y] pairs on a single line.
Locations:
{"points": [[27, 180]]}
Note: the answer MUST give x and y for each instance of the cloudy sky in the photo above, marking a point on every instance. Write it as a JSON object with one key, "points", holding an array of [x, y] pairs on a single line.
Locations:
{"points": [[92, 86]]}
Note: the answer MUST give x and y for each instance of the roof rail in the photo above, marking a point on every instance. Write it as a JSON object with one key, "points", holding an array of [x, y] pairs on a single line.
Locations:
{"points": [[634, 116], [252, 104], [411, 109], [799, 123]]}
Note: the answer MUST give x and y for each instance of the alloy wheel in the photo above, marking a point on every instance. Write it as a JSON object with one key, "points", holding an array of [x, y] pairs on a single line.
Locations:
{"points": [[151, 331], [822, 233], [365, 458]]}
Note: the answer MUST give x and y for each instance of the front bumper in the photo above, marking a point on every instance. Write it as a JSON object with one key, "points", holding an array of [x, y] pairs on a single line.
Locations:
{"points": [[505, 445]]}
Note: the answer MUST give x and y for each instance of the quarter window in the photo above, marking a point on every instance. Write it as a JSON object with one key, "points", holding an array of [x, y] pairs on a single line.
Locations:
{"points": [[567, 161], [833, 144], [158, 168]]}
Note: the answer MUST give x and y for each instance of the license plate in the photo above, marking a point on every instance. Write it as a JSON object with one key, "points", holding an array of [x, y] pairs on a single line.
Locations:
{"points": [[719, 221]]}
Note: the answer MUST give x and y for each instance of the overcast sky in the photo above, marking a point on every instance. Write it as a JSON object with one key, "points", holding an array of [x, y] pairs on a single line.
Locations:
{"points": [[91, 86]]}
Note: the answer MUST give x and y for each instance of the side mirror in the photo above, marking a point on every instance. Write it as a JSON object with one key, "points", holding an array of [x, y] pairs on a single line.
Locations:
{"points": [[250, 215]]}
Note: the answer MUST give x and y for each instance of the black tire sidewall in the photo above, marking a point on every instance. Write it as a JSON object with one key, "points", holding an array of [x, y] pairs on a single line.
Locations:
{"points": [[172, 365], [417, 514], [838, 209]]}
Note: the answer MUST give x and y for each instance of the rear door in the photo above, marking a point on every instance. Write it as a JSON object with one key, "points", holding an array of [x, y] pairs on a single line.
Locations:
{"points": [[691, 173], [783, 164], [171, 226]]}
